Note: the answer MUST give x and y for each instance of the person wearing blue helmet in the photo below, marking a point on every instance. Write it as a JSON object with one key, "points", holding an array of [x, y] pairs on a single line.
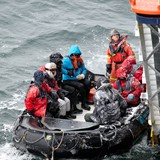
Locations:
{"points": [[36, 100], [74, 72]]}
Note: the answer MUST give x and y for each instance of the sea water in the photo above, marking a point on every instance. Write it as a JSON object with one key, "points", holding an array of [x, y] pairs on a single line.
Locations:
{"points": [[30, 30]]}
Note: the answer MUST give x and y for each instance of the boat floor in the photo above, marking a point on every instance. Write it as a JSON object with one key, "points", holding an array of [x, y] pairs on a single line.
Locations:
{"points": [[70, 125], [80, 117]]}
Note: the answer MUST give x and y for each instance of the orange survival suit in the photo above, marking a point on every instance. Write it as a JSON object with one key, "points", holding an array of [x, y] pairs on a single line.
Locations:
{"points": [[116, 54]]}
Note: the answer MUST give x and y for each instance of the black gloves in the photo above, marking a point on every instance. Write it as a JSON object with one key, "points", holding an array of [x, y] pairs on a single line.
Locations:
{"points": [[108, 68], [53, 104], [31, 113], [54, 95], [53, 107], [66, 93], [61, 94], [70, 73]]}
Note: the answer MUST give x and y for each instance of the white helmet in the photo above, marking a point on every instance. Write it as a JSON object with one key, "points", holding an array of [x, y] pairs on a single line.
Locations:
{"points": [[51, 69]]}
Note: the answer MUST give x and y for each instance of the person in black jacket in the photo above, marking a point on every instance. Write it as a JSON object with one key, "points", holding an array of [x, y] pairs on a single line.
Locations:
{"points": [[70, 90]]}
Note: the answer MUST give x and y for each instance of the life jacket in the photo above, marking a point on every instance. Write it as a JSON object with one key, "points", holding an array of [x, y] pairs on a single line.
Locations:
{"points": [[119, 45], [135, 68], [42, 93], [76, 64], [127, 87], [50, 82], [137, 72], [117, 51]]}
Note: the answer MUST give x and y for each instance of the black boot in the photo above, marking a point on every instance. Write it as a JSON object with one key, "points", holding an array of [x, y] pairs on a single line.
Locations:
{"points": [[86, 107], [90, 118], [69, 115], [77, 111], [62, 117], [87, 117]]}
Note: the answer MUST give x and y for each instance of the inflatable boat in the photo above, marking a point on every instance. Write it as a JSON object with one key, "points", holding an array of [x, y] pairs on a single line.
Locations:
{"points": [[53, 137]]}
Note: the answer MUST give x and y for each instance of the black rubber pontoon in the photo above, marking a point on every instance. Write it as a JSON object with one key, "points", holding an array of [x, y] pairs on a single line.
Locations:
{"points": [[68, 138]]}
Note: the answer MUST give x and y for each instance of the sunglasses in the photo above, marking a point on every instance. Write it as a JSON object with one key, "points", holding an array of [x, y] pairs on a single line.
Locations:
{"points": [[77, 55]]}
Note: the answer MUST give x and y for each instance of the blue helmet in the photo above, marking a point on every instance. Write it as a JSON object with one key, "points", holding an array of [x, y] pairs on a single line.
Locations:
{"points": [[39, 76]]}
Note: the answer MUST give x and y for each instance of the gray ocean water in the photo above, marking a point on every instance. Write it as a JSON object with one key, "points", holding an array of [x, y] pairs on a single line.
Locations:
{"points": [[31, 29]]}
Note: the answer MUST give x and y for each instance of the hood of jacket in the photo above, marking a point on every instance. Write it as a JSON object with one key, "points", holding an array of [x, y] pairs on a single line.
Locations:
{"points": [[74, 50], [39, 76], [121, 73]]}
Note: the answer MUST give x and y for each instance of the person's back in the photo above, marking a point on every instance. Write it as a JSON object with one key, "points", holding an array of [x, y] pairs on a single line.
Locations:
{"points": [[134, 69], [109, 104], [128, 86]]}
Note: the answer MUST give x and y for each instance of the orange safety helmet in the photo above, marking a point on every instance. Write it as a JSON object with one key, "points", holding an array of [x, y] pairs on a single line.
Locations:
{"points": [[121, 73]]}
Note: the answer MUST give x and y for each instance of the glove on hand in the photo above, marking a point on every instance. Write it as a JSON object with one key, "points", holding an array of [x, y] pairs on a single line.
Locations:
{"points": [[53, 107], [70, 73], [54, 95], [66, 93], [108, 68], [80, 76], [130, 97], [61, 94], [31, 112]]}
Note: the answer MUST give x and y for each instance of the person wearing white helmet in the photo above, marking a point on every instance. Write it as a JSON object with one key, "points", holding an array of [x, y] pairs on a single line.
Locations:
{"points": [[50, 70]]}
